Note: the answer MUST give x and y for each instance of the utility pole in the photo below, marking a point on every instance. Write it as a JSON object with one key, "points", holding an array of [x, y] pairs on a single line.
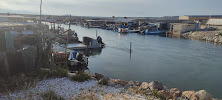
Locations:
{"points": [[40, 11]]}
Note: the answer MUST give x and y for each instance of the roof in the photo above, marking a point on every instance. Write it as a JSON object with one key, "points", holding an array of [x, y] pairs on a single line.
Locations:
{"points": [[203, 15], [214, 22]]}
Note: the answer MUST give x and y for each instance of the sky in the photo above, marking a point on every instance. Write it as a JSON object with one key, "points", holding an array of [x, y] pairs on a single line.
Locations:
{"points": [[118, 8]]}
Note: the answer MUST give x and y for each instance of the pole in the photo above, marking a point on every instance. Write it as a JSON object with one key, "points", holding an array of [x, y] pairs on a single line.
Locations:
{"points": [[40, 11], [96, 33], [67, 38], [130, 48]]}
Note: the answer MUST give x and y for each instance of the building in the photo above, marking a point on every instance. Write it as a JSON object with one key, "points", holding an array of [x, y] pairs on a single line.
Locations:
{"points": [[178, 28], [216, 23], [201, 18]]}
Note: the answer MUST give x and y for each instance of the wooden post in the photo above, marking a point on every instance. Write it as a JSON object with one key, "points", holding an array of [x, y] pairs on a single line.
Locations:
{"points": [[96, 33], [130, 48]]}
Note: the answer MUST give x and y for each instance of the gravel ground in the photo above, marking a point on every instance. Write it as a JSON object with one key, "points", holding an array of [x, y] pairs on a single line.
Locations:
{"points": [[69, 89]]}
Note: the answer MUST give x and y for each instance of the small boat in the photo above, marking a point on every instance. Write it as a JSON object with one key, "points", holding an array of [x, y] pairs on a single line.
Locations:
{"points": [[147, 32], [76, 58]]}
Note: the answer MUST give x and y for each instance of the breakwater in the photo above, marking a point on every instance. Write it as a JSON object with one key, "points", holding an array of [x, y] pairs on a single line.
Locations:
{"points": [[210, 36]]}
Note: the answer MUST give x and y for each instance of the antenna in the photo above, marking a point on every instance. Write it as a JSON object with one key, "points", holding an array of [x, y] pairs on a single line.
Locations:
{"points": [[40, 11]]}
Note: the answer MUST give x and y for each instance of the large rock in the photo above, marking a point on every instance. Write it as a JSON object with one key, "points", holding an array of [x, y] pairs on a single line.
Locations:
{"points": [[144, 86], [175, 93], [188, 94], [164, 93], [99, 76], [203, 95], [120, 82], [156, 85]]}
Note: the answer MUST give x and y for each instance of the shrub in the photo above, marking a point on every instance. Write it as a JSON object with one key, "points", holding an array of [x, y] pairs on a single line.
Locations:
{"points": [[50, 95], [81, 77], [62, 71], [103, 81], [155, 93], [16, 82]]}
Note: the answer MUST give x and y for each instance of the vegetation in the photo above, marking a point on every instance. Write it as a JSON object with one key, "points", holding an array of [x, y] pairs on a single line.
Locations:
{"points": [[103, 81], [50, 95], [81, 77], [16, 82], [24, 81], [155, 93], [48, 73]]}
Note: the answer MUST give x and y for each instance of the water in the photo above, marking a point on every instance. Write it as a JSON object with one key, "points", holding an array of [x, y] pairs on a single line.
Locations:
{"points": [[181, 63]]}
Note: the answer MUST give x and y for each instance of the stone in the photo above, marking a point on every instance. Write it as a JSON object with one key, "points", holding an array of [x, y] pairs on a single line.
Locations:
{"points": [[188, 94], [156, 85], [164, 93], [120, 82], [103, 81], [203, 95], [175, 93], [144, 86], [132, 84], [99, 76], [71, 74]]}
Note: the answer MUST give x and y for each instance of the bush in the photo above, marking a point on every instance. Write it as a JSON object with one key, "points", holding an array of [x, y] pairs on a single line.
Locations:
{"points": [[49, 73], [62, 72], [155, 93], [81, 77], [17, 82], [50, 95], [103, 81]]}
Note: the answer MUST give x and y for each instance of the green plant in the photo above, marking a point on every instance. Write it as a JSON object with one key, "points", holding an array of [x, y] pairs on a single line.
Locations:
{"points": [[103, 81], [50, 95], [81, 77], [62, 71], [155, 93]]}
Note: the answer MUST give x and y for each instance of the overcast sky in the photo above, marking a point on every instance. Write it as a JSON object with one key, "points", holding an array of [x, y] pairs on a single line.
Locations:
{"points": [[137, 8]]}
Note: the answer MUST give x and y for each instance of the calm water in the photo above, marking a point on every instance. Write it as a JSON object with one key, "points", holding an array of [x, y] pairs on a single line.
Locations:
{"points": [[181, 63]]}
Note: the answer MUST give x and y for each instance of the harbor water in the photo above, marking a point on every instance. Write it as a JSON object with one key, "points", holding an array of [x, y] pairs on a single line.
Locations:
{"points": [[180, 63]]}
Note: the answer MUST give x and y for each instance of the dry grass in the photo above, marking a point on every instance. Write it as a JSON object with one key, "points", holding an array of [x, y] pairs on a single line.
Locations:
{"points": [[50, 95], [24, 81], [81, 77]]}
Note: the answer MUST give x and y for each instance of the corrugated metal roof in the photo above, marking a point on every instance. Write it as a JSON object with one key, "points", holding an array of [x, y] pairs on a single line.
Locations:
{"points": [[214, 22]]}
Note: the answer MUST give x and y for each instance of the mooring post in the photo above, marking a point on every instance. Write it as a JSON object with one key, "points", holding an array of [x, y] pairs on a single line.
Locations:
{"points": [[130, 47]]}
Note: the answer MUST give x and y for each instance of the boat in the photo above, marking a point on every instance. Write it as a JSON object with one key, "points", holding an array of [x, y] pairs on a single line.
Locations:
{"points": [[147, 32], [88, 43], [76, 58]]}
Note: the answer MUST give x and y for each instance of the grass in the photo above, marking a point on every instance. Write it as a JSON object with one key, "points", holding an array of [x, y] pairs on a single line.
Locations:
{"points": [[16, 82], [81, 77], [155, 93], [103, 81], [50, 95], [23, 81]]}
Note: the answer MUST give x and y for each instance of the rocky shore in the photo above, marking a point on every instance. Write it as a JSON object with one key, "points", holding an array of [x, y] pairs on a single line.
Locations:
{"points": [[100, 87], [210, 36]]}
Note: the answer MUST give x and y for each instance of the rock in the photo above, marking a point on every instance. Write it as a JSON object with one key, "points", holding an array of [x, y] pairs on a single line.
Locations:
{"points": [[144, 86], [111, 83], [103, 81], [156, 85], [71, 74], [99, 76], [132, 84], [188, 94], [203, 95], [120, 82], [175, 93], [164, 93]]}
